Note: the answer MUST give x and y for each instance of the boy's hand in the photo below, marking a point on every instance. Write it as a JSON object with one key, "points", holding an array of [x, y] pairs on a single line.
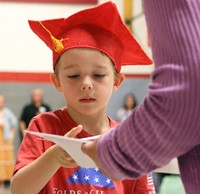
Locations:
{"points": [[75, 131], [62, 157]]}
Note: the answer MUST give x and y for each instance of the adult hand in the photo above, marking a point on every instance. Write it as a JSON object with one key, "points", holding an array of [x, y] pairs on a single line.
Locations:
{"points": [[90, 149]]}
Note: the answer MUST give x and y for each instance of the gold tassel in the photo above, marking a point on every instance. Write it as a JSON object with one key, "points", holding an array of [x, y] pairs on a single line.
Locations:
{"points": [[57, 44]]}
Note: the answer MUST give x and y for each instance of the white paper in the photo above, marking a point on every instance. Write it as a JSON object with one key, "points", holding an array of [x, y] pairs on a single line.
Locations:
{"points": [[72, 146]]}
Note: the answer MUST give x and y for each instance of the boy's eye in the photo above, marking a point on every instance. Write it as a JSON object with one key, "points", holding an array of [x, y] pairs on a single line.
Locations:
{"points": [[99, 75], [73, 76]]}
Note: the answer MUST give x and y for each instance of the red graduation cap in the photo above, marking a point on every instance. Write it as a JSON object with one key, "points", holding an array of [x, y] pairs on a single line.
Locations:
{"points": [[99, 28]]}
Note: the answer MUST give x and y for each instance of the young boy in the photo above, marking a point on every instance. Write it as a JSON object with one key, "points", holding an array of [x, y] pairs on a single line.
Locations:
{"points": [[89, 49]]}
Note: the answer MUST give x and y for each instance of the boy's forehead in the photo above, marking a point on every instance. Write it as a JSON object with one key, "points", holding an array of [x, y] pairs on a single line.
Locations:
{"points": [[81, 50], [77, 56]]}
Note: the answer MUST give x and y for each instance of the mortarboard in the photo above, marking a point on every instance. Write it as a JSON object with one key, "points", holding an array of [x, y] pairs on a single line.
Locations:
{"points": [[99, 28]]}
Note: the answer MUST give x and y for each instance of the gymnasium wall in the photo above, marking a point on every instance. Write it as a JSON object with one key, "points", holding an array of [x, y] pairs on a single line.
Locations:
{"points": [[17, 94]]}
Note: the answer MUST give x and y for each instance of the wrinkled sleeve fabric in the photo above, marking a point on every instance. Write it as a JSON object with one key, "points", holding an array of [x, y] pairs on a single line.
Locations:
{"points": [[166, 124]]}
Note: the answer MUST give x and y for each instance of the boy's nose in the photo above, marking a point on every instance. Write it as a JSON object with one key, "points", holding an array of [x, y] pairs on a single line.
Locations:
{"points": [[86, 87], [87, 84]]}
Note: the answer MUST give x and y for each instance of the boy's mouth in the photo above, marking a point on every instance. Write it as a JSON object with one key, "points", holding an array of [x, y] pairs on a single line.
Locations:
{"points": [[87, 100]]}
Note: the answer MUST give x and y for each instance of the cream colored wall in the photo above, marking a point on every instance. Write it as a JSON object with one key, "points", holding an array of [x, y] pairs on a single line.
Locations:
{"points": [[22, 51]]}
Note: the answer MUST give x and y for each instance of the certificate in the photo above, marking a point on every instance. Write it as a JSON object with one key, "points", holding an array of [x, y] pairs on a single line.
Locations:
{"points": [[71, 145]]}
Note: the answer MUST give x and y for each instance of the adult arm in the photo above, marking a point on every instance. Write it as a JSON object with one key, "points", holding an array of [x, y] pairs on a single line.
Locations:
{"points": [[22, 126], [23, 118], [166, 124], [10, 124]]}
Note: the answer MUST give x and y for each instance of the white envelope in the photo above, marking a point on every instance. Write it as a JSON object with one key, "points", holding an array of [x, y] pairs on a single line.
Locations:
{"points": [[71, 145]]}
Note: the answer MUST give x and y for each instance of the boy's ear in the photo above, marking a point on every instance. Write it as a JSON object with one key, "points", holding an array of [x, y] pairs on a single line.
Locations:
{"points": [[118, 81], [55, 82]]}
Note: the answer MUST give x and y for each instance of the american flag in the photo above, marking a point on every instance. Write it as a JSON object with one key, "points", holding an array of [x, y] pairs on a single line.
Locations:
{"points": [[151, 184], [91, 176]]}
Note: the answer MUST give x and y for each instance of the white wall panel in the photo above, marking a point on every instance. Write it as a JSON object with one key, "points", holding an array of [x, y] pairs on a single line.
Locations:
{"points": [[22, 51]]}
